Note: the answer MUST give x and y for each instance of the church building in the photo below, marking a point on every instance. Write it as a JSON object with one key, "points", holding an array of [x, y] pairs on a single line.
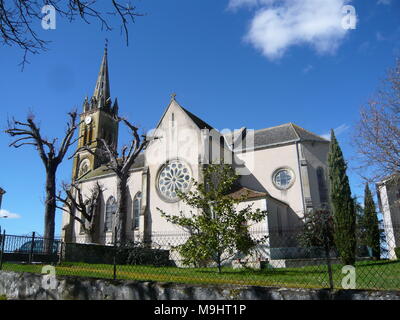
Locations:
{"points": [[283, 169]]}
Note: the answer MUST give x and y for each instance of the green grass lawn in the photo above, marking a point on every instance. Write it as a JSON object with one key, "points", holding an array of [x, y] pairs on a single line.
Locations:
{"points": [[369, 274]]}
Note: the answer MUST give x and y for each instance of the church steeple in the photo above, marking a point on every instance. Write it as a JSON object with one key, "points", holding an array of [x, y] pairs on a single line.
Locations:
{"points": [[101, 98], [99, 121], [102, 89]]}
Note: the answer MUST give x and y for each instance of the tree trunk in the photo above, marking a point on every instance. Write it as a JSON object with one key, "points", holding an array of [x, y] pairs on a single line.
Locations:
{"points": [[219, 262], [89, 236], [121, 209], [93, 227], [50, 210]]}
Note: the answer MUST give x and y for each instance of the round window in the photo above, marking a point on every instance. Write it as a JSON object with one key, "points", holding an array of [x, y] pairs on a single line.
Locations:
{"points": [[283, 178], [174, 176]]}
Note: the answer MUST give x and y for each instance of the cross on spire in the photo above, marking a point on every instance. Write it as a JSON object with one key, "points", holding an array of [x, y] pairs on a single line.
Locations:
{"points": [[173, 96]]}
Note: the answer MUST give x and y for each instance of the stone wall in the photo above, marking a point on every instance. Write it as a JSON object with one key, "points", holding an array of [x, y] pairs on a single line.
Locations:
{"points": [[29, 286]]}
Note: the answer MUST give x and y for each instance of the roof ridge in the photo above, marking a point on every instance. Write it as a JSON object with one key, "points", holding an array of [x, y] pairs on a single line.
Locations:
{"points": [[198, 121], [312, 133], [295, 131], [281, 125]]}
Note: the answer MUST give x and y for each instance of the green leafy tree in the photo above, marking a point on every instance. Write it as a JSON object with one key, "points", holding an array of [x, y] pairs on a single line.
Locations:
{"points": [[218, 229], [369, 222], [343, 209], [318, 229]]}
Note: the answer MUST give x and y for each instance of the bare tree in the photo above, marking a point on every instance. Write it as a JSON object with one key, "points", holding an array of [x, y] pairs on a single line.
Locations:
{"points": [[121, 167], [28, 133], [377, 135], [18, 19], [74, 202]]}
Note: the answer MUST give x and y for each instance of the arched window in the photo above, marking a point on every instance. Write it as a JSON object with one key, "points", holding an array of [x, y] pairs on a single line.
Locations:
{"points": [[111, 209], [137, 204], [323, 191], [85, 137], [210, 150], [84, 167], [90, 135], [222, 150], [81, 229]]}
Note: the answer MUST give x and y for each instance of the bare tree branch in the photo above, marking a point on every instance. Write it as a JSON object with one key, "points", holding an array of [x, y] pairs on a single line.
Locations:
{"points": [[28, 133], [19, 20], [377, 135], [74, 202]]}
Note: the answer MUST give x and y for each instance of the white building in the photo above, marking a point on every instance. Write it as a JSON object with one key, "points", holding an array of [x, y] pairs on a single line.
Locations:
{"points": [[389, 204], [283, 168]]}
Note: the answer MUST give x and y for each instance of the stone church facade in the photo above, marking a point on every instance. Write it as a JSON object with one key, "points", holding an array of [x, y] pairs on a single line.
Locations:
{"points": [[283, 169]]}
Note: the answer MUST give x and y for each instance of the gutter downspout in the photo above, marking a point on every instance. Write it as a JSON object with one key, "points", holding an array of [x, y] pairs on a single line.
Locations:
{"points": [[301, 179]]}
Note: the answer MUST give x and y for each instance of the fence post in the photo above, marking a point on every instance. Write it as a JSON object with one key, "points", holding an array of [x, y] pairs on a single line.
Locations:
{"points": [[32, 247], [328, 260], [115, 254], [61, 252], [3, 242]]}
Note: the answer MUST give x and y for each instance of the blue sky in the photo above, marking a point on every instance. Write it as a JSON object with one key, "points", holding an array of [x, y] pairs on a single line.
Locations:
{"points": [[232, 63]]}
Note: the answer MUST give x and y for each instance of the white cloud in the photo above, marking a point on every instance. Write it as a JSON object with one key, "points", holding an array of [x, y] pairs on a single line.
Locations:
{"points": [[338, 131], [7, 214], [234, 4], [280, 24], [385, 2]]}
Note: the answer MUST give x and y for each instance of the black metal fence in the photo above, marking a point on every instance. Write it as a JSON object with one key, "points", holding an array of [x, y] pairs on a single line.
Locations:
{"points": [[28, 249], [281, 259]]}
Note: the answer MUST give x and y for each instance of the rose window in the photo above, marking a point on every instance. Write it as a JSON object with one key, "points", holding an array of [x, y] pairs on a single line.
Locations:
{"points": [[173, 176], [283, 178]]}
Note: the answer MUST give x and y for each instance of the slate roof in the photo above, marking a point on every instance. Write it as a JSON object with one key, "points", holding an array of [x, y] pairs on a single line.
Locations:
{"points": [[285, 133], [392, 179], [240, 191], [248, 193], [103, 170], [200, 123], [288, 132]]}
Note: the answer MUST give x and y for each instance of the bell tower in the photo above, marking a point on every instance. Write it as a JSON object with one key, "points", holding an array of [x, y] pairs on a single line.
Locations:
{"points": [[99, 120]]}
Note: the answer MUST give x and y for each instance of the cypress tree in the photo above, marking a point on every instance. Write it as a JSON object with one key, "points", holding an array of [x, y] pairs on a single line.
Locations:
{"points": [[344, 214], [371, 224]]}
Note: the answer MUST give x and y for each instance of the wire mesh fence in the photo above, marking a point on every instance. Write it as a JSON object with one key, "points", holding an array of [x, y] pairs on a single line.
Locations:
{"points": [[282, 259]]}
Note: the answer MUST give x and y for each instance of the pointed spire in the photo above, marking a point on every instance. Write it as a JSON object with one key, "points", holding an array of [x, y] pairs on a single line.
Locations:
{"points": [[115, 107], [102, 89], [86, 105]]}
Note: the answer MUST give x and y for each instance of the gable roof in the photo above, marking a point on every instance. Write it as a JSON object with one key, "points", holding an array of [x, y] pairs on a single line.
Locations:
{"points": [[200, 123], [305, 135], [285, 133], [240, 192]]}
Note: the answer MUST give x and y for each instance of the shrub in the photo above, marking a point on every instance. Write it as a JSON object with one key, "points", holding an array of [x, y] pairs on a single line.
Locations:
{"points": [[318, 229], [136, 253], [397, 252]]}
